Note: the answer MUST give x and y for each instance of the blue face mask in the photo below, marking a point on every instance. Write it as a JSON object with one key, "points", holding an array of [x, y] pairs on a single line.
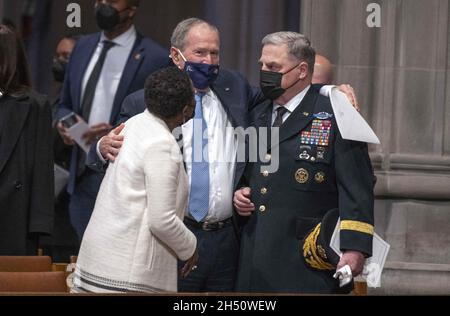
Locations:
{"points": [[202, 75]]}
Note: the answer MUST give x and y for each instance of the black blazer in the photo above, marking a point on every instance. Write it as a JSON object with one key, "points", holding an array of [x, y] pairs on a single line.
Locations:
{"points": [[26, 173], [146, 57]]}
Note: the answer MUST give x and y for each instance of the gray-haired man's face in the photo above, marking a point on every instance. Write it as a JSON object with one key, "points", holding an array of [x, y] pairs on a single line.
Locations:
{"points": [[202, 45]]}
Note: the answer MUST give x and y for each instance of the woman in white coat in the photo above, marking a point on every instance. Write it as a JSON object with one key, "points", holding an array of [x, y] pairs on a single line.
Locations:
{"points": [[136, 232]]}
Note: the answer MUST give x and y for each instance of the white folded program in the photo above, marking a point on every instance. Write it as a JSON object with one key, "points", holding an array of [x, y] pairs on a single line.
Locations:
{"points": [[374, 265], [351, 124]]}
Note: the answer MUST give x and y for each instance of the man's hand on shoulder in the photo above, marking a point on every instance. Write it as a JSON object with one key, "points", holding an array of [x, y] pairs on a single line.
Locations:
{"points": [[351, 95], [110, 144]]}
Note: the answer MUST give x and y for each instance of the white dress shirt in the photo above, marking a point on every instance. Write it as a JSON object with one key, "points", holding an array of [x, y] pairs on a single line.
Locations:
{"points": [[222, 151], [291, 105], [110, 76]]}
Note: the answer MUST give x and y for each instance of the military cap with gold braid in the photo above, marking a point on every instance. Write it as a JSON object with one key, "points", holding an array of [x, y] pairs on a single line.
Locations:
{"points": [[316, 245]]}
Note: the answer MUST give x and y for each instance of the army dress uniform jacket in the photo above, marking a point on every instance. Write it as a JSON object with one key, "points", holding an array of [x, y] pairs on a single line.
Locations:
{"points": [[318, 171]]}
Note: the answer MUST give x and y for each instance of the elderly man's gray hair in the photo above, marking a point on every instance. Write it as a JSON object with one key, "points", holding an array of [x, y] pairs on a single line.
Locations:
{"points": [[298, 45], [178, 38]]}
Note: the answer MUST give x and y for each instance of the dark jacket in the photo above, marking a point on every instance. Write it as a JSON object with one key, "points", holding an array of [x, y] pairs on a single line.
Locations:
{"points": [[146, 56], [312, 178], [26, 173]]}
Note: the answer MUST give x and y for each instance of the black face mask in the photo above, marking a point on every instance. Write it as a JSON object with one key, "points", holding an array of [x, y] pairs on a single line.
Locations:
{"points": [[107, 16], [59, 70], [270, 83]]}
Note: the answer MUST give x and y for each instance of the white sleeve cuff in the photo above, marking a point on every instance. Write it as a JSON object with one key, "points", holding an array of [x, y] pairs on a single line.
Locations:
{"points": [[99, 153]]}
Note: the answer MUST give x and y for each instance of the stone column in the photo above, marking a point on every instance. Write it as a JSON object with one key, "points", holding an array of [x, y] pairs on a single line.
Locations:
{"points": [[401, 73], [243, 24]]}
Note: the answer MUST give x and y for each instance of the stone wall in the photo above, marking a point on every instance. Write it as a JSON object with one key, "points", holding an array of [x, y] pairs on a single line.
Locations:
{"points": [[401, 74]]}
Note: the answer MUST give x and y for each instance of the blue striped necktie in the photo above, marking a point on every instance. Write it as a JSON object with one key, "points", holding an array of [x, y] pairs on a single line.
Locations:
{"points": [[199, 195]]}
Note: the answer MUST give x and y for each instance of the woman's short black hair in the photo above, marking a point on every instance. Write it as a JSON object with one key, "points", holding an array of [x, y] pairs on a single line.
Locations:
{"points": [[14, 72], [168, 91]]}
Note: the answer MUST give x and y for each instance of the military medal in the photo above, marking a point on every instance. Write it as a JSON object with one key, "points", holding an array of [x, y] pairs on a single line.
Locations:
{"points": [[304, 155], [319, 134], [320, 153], [323, 116], [302, 175]]}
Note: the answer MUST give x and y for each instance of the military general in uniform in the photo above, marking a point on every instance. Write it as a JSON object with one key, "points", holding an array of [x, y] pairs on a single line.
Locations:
{"points": [[318, 171]]}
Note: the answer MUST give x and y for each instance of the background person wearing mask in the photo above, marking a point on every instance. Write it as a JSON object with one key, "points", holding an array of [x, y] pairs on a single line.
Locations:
{"points": [[63, 51], [136, 232], [104, 68], [64, 241], [26, 163]]}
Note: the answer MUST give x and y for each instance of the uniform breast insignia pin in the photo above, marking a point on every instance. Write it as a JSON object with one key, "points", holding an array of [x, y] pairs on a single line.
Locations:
{"points": [[302, 175], [320, 153], [319, 177], [323, 116], [304, 155]]}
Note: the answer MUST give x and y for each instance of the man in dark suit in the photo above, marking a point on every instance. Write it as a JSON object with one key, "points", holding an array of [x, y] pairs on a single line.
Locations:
{"points": [[103, 69], [226, 102], [318, 171], [223, 99]]}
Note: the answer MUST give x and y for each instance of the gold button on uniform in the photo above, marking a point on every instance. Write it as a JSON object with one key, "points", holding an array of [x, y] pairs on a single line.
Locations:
{"points": [[265, 173], [268, 157], [263, 191], [262, 208]]}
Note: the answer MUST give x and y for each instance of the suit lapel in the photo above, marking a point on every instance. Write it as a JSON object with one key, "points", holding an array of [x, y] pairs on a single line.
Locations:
{"points": [[16, 112], [233, 106], [236, 111], [81, 68], [264, 120], [134, 61]]}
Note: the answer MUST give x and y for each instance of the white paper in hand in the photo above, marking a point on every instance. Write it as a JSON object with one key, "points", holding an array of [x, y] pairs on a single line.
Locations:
{"points": [[350, 123], [375, 264], [373, 267], [77, 131], [61, 179]]}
